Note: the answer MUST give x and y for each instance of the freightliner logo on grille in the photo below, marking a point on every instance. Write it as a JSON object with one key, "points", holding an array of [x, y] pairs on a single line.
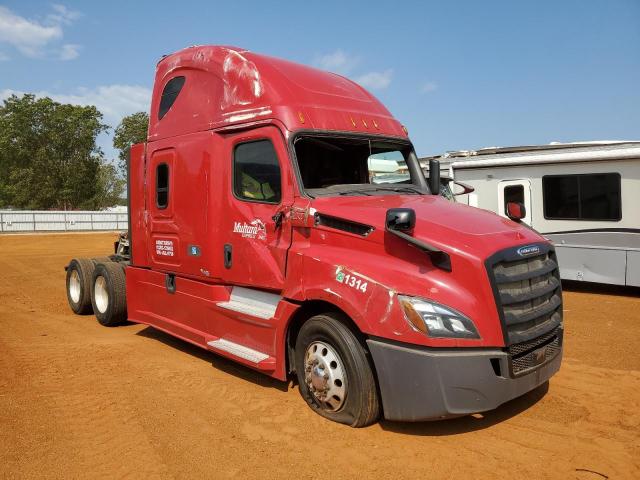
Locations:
{"points": [[528, 250]]}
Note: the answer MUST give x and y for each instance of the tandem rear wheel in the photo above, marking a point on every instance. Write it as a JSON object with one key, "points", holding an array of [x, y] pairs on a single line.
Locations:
{"points": [[334, 374], [97, 285]]}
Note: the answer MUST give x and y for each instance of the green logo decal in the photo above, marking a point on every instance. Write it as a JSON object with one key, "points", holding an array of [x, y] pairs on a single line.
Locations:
{"points": [[340, 277]]}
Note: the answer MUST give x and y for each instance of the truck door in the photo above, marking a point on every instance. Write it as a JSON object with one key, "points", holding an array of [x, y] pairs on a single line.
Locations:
{"points": [[515, 191], [163, 230], [256, 234]]}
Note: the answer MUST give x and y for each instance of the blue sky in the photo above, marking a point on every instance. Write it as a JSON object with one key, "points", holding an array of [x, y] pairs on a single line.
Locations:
{"points": [[458, 74]]}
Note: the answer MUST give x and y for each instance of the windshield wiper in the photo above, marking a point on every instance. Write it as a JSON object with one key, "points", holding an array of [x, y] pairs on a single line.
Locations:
{"points": [[400, 189], [357, 192]]}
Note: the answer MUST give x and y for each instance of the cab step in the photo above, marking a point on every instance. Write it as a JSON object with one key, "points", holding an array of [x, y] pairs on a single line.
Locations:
{"points": [[252, 302], [257, 359]]}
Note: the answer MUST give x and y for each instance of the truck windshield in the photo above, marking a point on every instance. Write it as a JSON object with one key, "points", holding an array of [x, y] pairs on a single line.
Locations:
{"points": [[349, 165]]}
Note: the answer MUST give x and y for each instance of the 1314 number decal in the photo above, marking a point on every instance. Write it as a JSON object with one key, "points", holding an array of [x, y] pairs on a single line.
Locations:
{"points": [[352, 281]]}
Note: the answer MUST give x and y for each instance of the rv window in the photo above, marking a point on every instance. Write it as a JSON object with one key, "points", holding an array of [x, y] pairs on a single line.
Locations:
{"points": [[162, 186], [256, 172], [513, 193], [582, 197], [600, 197], [169, 95]]}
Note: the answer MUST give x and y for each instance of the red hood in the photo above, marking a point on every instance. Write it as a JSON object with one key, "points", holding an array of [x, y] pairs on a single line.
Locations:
{"points": [[453, 227]]}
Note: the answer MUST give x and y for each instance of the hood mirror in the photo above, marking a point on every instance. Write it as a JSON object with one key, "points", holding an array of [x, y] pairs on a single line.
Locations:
{"points": [[401, 219], [400, 222], [434, 177], [516, 211]]}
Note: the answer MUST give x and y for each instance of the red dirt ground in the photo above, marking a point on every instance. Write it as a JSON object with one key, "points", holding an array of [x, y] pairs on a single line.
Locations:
{"points": [[79, 400]]}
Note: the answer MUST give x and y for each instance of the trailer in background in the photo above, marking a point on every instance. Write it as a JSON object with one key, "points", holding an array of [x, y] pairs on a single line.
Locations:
{"points": [[584, 197]]}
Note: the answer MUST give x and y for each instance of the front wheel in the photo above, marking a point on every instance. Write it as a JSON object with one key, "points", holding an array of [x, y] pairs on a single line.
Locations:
{"points": [[334, 374]]}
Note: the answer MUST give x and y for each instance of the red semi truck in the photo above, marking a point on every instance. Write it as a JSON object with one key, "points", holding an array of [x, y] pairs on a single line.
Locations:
{"points": [[255, 232]]}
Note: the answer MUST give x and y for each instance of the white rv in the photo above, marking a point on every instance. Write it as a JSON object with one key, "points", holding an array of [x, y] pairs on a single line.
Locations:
{"points": [[584, 197]]}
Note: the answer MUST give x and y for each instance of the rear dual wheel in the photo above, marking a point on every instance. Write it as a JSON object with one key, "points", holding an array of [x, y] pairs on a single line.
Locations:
{"points": [[97, 285], [334, 373]]}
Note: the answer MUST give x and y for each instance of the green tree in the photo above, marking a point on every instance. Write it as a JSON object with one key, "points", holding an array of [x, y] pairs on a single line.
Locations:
{"points": [[109, 187], [49, 157], [132, 129]]}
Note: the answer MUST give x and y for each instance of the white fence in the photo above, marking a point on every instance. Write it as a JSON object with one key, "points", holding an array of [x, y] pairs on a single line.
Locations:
{"points": [[59, 221]]}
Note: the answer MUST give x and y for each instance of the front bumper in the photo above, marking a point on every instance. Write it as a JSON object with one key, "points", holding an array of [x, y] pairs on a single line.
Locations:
{"points": [[427, 384]]}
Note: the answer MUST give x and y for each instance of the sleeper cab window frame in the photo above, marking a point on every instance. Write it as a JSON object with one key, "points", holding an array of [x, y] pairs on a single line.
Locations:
{"points": [[236, 183], [170, 94], [578, 177], [164, 190]]}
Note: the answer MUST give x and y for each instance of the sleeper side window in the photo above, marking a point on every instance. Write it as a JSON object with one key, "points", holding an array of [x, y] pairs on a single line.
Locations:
{"points": [[256, 172], [162, 186], [169, 95], [593, 196]]}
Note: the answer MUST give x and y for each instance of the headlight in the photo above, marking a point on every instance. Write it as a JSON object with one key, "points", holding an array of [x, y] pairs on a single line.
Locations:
{"points": [[435, 320]]}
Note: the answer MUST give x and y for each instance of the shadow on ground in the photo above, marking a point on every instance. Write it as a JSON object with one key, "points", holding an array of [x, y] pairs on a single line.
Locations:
{"points": [[470, 423], [437, 428], [221, 363], [600, 288]]}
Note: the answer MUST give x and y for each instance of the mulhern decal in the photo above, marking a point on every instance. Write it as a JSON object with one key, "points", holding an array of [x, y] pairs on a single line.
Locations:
{"points": [[255, 229], [528, 250]]}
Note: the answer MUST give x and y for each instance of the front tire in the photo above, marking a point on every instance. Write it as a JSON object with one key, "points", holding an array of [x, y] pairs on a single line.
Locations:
{"points": [[334, 374], [108, 294]]}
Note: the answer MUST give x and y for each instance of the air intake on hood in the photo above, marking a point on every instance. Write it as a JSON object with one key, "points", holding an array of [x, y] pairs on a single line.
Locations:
{"points": [[344, 225]]}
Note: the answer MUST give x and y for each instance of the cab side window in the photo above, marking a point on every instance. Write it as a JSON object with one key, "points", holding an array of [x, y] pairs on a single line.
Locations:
{"points": [[162, 186], [256, 172]]}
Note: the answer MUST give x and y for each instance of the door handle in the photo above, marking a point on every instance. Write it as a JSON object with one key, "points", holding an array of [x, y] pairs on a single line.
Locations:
{"points": [[170, 283], [277, 218], [227, 255]]}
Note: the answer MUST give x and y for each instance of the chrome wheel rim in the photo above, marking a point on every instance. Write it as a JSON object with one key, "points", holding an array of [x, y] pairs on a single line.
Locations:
{"points": [[324, 376], [74, 286], [101, 294]]}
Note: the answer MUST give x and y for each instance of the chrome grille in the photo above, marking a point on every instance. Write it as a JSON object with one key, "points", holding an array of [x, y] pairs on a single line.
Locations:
{"points": [[520, 348], [528, 355]]}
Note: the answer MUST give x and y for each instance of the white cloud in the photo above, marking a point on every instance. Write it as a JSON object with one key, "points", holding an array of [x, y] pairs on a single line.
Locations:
{"points": [[32, 37], [114, 101], [344, 63], [62, 15], [337, 62], [375, 80], [428, 87], [69, 51]]}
